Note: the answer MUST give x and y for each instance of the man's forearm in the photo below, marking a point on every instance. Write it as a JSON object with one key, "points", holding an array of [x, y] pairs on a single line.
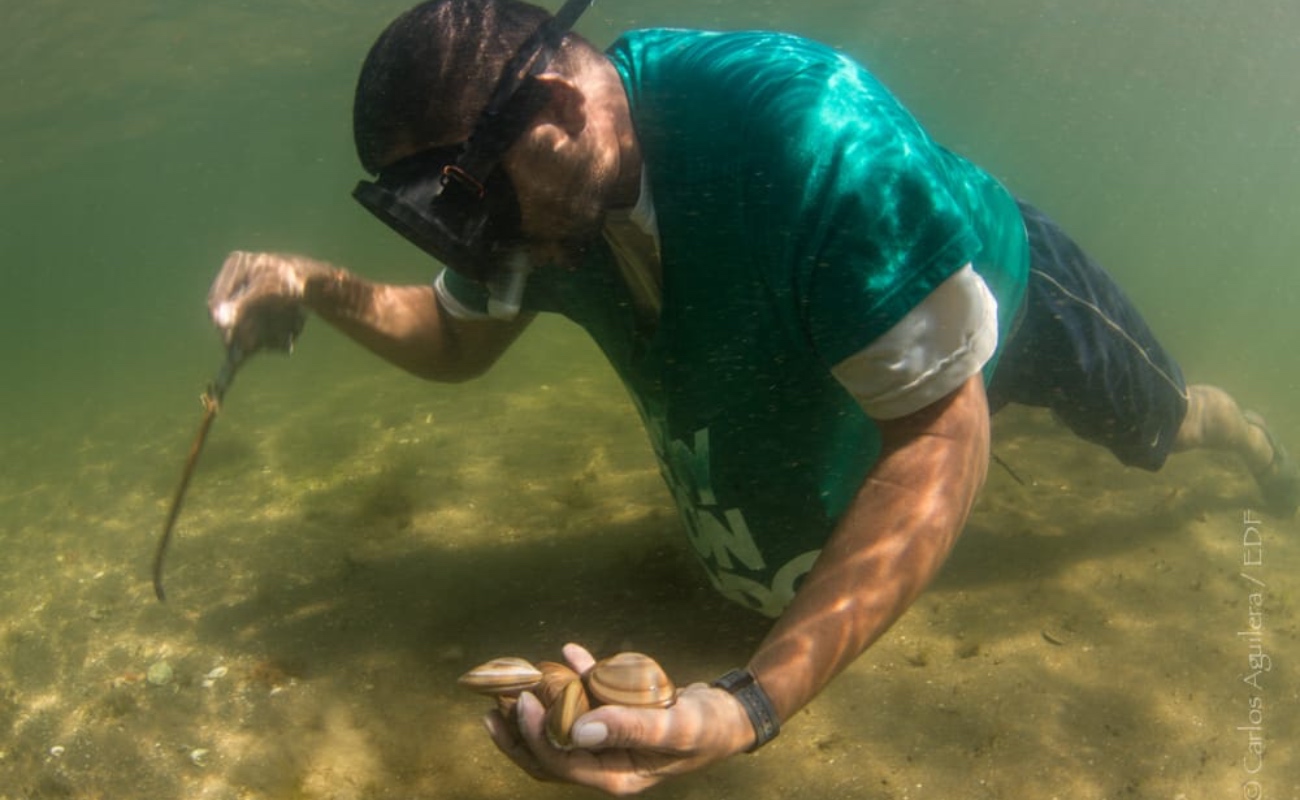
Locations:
{"points": [[891, 541], [406, 326]]}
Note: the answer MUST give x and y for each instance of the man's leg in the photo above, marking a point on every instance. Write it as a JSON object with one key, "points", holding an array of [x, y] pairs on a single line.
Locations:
{"points": [[1214, 421], [1085, 352]]}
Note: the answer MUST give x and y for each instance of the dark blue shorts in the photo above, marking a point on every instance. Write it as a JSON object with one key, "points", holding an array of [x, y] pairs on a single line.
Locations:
{"points": [[1082, 350]]}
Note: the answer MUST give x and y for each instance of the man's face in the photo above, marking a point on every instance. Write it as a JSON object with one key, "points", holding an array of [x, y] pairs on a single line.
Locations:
{"points": [[550, 188]]}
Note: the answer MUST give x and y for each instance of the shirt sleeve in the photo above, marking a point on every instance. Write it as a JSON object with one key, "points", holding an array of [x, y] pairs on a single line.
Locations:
{"points": [[461, 298], [927, 355], [880, 217]]}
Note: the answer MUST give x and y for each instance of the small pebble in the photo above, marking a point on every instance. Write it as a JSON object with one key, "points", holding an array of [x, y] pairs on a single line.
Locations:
{"points": [[160, 673]]}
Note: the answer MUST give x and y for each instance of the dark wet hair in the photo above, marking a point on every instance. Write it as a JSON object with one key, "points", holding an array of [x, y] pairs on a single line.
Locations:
{"points": [[429, 74]]}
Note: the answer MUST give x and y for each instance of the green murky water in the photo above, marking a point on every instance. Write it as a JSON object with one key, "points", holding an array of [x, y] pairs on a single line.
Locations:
{"points": [[355, 539]]}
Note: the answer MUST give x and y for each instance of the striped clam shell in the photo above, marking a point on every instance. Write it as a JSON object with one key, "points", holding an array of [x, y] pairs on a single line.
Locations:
{"points": [[631, 679], [501, 677]]}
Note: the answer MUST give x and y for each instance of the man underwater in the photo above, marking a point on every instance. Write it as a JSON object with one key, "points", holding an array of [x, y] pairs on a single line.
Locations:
{"points": [[814, 306]]}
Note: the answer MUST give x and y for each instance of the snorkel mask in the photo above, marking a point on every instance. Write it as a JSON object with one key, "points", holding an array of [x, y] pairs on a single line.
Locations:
{"points": [[454, 203]]}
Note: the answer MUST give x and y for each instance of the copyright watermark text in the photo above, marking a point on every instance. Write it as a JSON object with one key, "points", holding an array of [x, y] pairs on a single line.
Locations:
{"points": [[1257, 660]]}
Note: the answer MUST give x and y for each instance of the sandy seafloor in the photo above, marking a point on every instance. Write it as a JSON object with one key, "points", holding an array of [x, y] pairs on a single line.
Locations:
{"points": [[347, 551]]}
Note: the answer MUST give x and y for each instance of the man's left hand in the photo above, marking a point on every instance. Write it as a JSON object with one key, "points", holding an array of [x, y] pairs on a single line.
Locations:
{"points": [[624, 750]]}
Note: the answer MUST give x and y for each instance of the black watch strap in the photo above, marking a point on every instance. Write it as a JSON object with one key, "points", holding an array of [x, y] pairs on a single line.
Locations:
{"points": [[740, 683]]}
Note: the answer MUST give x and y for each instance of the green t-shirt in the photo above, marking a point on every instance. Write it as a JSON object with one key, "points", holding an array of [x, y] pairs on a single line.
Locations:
{"points": [[802, 212]]}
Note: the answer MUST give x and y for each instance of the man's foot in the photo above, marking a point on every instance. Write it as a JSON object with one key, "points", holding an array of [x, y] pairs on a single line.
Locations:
{"points": [[1279, 482]]}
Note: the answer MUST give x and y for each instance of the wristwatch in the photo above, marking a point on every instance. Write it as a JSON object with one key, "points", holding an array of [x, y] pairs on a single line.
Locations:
{"points": [[741, 684]]}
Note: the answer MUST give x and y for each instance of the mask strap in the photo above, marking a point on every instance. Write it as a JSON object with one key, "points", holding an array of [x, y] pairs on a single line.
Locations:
{"points": [[493, 133]]}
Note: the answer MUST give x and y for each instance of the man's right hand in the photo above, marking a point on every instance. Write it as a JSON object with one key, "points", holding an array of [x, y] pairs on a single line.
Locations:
{"points": [[256, 300], [260, 301]]}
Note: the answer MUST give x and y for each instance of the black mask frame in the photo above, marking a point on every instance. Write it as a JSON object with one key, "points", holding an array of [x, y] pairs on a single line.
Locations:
{"points": [[454, 203]]}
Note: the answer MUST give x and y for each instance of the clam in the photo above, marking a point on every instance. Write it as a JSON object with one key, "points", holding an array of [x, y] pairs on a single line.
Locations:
{"points": [[625, 679], [560, 691], [555, 678], [501, 676], [561, 714], [631, 679]]}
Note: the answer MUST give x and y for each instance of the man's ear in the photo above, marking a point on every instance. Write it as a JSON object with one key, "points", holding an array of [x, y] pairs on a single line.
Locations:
{"points": [[566, 106]]}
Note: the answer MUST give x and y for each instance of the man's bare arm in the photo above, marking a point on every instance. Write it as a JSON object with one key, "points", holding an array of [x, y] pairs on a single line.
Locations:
{"points": [[258, 300], [892, 540], [408, 327]]}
